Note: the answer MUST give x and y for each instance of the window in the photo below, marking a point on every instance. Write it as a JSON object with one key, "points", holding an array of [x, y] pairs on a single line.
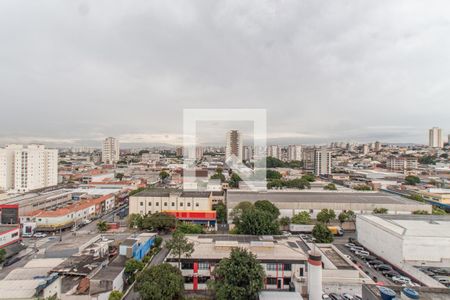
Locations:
{"points": [[181, 204], [188, 279], [287, 267], [187, 266], [196, 204], [165, 203], [157, 203], [142, 203], [203, 279], [14, 234], [286, 281], [203, 266], [189, 204], [271, 281], [271, 267], [173, 203], [301, 272]]}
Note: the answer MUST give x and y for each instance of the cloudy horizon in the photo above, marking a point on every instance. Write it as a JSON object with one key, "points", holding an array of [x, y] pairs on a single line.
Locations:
{"points": [[75, 72]]}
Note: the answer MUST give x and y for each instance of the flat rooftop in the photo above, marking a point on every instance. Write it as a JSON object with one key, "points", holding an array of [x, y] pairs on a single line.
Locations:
{"points": [[324, 197], [372, 292], [266, 248], [413, 225]]}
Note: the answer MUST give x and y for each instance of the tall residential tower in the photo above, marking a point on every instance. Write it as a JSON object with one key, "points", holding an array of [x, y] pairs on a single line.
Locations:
{"points": [[110, 151], [234, 145], [435, 138]]}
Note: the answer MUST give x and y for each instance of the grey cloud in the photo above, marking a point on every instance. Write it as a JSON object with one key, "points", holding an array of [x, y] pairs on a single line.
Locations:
{"points": [[80, 70]]}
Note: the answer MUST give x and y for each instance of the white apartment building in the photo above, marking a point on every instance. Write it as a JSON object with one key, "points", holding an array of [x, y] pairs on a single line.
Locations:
{"points": [[294, 152], [322, 162], [435, 138], [402, 163], [110, 150], [234, 146], [247, 153], [27, 168], [274, 151]]}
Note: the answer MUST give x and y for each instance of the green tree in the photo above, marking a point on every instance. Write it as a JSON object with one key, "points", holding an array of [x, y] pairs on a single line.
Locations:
{"points": [[322, 234], [427, 160], [158, 282], [416, 197], [267, 206], [362, 187], [163, 175], [272, 162], [330, 187], [271, 174], [275, 184], [179, 246], [159, 221], [158, 241], [257, 222], [380, 210], [102, 226], [412, 180], [239, 209], [189, 228], [420, 212], [438, 211], [284, 222], [221, 213], [309, 177], [119, 176], [298, 183], [115, 295], [343, 217], [135, 221], [238, 277], [302, 217], [132, 266], [351, 216], [326, 215], [219, 176], [234, 180], [2, 255]]}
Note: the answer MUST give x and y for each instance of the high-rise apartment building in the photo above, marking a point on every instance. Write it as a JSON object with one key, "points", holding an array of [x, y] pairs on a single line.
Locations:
{"points": [[365, 149], [247, 153], [28, 168], [233, 149], [377, 146], [294, 152], [322, 162], [308, 156], [274, 151], [110, 151], [435, 138]]}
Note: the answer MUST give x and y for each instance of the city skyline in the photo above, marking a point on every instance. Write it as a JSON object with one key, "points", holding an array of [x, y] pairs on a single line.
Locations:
{"points": [[334, 72]]}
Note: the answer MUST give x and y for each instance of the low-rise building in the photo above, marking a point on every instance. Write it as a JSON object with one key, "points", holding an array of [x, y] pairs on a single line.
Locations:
{"points": [[284, 260], [401, 163], [137, 247]]}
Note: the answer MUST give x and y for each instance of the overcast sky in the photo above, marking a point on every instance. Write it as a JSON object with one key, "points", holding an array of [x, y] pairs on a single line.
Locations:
{"points": [[73, 72]]}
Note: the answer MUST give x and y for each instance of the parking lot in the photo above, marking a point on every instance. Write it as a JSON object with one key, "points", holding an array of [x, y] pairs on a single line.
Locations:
{"points": [[376, 267]]}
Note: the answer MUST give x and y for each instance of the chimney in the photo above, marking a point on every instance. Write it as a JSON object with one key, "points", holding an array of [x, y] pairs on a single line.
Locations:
{"points": [[315, 275]]}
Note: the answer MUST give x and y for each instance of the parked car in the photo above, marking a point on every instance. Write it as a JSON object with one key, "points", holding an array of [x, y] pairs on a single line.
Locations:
{"points": [[356, 248], [335, 296], [350, 245], [401, 279], [11, 261], [347, 296], [375, 262], [40, 235], [390, 273], [362, 253], [357, 297], [325, 297], [383, 267], [428, 272], [369, 258]]}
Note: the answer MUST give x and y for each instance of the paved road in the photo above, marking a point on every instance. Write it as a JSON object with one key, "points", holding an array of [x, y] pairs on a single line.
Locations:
{"points": [[36, 246], [362, 264], [156, 260]]}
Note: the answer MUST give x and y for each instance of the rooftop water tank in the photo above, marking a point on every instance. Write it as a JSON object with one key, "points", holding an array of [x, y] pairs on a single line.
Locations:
{"points": [[409, 294], [386, 293]]}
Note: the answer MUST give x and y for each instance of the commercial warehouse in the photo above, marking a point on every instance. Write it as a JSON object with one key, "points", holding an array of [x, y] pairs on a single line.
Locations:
{"points": [[290, 203]]}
